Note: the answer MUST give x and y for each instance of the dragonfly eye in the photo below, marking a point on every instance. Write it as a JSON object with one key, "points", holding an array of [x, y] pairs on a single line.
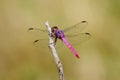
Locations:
{"points": [[54, 28]]}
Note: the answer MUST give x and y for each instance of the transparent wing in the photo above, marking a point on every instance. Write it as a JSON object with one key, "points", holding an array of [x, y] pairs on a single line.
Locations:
{"points": [[41, 33], [77, 39], [41, 43], [45, 42], [42, 36], [76, 29]]}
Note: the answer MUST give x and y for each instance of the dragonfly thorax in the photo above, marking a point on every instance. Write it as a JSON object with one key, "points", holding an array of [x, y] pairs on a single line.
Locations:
{"points": [[59, 34]]}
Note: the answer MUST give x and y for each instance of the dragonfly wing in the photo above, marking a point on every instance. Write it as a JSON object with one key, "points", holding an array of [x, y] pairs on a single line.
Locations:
{"points": [[77, 28], [45, 43], [43, 40], [41, 33], [77, 39], [41, 43], [42, 30]]}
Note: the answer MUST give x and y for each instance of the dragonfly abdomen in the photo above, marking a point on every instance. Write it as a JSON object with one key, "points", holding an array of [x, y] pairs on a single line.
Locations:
{"points": [[70, 47]]}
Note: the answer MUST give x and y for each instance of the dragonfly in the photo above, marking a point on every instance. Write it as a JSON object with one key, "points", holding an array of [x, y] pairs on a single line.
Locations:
{"points": [[72, 33]]}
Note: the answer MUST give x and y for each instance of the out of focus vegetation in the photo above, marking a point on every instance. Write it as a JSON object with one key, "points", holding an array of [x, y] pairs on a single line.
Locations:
{"points": [[100, 56]]}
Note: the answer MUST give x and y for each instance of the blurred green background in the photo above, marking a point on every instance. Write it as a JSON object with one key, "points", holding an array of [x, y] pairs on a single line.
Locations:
{"points": [[20, 60]]}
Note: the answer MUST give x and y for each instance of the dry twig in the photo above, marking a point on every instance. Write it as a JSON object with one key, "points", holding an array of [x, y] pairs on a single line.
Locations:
{"points": [[54, 53]]}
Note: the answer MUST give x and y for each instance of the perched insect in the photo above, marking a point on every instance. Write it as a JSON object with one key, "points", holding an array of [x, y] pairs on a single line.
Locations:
{"points": [[73, 32]]}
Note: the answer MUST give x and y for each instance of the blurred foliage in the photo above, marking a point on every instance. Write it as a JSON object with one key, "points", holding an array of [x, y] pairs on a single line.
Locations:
{"points": [[21, 60]]}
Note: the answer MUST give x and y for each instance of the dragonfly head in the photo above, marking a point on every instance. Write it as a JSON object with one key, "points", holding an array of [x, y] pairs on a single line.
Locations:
{"points": [[54, 29]]}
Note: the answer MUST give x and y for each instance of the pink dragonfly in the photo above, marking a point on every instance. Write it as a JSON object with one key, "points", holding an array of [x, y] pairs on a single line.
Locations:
{"points": [[72, 32]]}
